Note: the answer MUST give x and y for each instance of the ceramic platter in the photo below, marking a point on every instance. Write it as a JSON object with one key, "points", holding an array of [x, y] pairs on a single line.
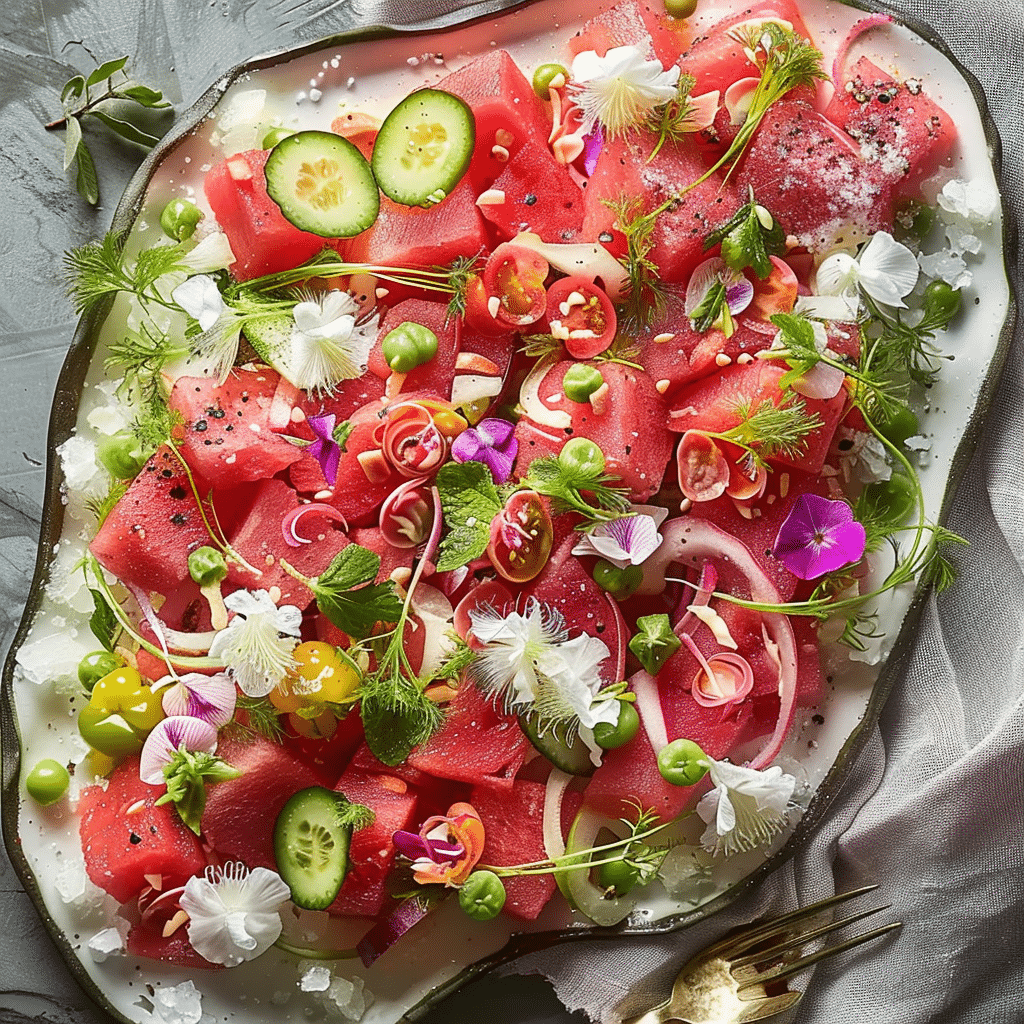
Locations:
{"points": [[371, 69]]}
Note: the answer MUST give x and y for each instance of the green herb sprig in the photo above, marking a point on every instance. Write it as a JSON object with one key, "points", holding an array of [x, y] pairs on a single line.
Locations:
{"points": [[102, 95]]}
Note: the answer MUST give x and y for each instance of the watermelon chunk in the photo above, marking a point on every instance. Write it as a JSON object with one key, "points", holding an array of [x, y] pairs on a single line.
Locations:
{"points": [[372, 851], [238, 820], [627, 429], [262, 240], [507, 113], [813, 179], [513, 834], [146, 940], [260, 541], [126, 837], [476, 743], [714, 405], [896, 124], [148, 535], [639, 23], [228, 436], [540, 195]]}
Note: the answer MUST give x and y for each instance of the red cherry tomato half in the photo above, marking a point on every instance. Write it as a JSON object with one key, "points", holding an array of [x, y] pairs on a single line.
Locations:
{"points": [[478, 316], [521, 537], [515, 275], [583, 310]]}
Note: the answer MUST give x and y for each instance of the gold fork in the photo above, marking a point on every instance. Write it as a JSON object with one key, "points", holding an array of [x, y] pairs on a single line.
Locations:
{"points": [[741, 977]]}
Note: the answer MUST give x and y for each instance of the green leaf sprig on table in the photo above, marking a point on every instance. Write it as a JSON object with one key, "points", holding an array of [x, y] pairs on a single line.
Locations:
{"points": [[81, 97]]}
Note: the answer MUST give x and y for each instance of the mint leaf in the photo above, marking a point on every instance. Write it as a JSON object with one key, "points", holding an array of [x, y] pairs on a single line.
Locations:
{"points": [[125, 129], [102, 621], [469, 501], [710, 308], [654, 643], [341, 595], [86, 180], [105, 70], [187, 776]]}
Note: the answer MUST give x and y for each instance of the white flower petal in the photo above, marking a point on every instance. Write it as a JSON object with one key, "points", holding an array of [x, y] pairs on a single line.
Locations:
{"points": [[888, 269], [211, 698], [211, 252], [200, 297], [837, 275]]}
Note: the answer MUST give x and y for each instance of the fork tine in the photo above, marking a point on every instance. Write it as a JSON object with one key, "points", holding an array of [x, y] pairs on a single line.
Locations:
{"points": [[788, 970], [800, 938], [770, 1006], [741, 941]]}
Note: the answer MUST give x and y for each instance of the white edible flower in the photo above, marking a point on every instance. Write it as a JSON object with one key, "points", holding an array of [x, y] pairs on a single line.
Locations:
{"points": [[234, 913], [746, 809], [200, 297], [973, 200], [212, 252], [885, 270], [630, 540], [327, 346], [252, 646], [621, 88], [528, 659]]}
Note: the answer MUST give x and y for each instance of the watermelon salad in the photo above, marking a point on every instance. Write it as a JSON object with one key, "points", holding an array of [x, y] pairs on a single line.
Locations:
{"points": [[483, 482]]}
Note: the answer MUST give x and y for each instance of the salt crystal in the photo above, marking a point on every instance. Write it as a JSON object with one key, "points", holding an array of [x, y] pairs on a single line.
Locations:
{"points": [[69, 881], [973, 200], [104, 944], [81, 470], [946, 267], [316, 978], [180, 1004], [347, 999]]}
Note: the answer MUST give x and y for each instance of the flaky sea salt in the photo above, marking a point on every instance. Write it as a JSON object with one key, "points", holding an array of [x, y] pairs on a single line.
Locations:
{"points": [[179, 1004], [347, 999], [315, 978], [69, 881], [973, 200], [104, 944], [945, 266], [81, 470]]}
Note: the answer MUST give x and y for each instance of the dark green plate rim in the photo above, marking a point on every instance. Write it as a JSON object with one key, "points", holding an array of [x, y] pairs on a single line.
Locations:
{"points": [[64, 414]]}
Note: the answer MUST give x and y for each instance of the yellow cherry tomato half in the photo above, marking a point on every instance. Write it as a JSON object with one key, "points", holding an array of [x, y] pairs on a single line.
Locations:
{"points": [[323, 673]]}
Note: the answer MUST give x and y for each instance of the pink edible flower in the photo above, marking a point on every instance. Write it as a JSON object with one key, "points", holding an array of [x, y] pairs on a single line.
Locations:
{"points": [[819, 536]]}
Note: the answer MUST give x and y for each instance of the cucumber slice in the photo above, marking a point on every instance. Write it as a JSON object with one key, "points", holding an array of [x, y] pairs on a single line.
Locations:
{"points": [[311, 847], [424, 148], [323, 184], [569, 755]]}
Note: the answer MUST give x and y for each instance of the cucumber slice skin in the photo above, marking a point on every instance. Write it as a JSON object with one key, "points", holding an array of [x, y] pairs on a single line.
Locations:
{"points": [[346, 204], [425, 170], [311, 848], [573, 758]]}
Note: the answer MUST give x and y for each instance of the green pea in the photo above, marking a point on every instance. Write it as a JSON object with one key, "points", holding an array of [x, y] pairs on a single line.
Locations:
{"points": [[609, 737], [274, 136], [620, 583], [47, 782], [890, 502], [680, 763], [680, 8], [914, 221], [544, 76], [109, 732], [581, 455], [179, 219], [941, 302], [482, 895], [95, 665], [207, 566], [654, 642], [409, 345], [617, 876], [903, 423], [122, 455], [581, 381]]}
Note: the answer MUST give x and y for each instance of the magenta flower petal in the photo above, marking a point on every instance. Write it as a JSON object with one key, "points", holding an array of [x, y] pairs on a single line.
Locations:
{"points": [[210, 698], [593, 143], [491, 442], [167, 738], [819, 536], [415, 847], [739, 293], [325, 449]]}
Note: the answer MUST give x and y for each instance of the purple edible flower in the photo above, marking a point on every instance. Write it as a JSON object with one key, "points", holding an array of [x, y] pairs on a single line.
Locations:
{"points": [[325, 449], [491, 442], [417, 847], [818, 536]]}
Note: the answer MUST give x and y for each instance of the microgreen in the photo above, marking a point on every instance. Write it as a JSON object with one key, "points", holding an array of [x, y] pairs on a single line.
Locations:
{"points": [[187, 776], [460, 272], [102, 622], [646, 294], [566, 484], [258, 718], [671, 121], [768, 431], [116, 107]]}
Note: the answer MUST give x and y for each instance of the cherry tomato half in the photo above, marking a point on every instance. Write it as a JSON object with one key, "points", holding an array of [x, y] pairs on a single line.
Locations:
{"points": [[521, 537], [515, 275], [582, 315]]}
